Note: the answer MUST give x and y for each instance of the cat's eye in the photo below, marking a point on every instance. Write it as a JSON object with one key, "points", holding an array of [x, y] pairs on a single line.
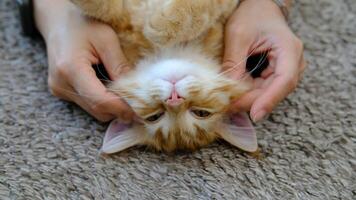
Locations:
{"points": [[155, 117], [199, 113]]}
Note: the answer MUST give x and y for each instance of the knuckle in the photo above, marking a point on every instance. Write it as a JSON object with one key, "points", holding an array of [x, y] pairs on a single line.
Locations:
{"points": [[61, 68], [292, 83], [299, 44], [268, 107], [53, 88], [101, 111], [107, 34], [237, 30], [97, 108], [108, 31], [102, 117], [121, 67]]}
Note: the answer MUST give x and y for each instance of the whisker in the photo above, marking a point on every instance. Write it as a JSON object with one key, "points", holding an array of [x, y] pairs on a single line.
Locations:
{"points": [[126, 91], [264, 56], [102, 74], [242, 60], [106, 100], [247, 73], [104, 80], [90, 96], [236, 64], [117, 90], [76, 94]]}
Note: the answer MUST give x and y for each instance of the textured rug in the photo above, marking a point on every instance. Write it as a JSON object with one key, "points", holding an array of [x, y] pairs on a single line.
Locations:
{"points": [[49, 148]]}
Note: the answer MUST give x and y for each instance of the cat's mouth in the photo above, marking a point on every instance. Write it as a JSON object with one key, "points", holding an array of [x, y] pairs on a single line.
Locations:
{"points": [[174, 99]]}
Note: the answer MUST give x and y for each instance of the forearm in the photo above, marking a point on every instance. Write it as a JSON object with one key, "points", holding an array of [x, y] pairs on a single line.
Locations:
{"points": [[268, 5], [285, 6], [288, 3], [50, 15]]}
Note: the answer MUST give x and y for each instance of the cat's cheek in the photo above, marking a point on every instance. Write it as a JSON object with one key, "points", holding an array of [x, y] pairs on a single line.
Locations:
{"points": [[223, 99], [211, 123], [162, 126], [188, 123], [135, 105], [151, 130], [187, 85], [160, 90]]}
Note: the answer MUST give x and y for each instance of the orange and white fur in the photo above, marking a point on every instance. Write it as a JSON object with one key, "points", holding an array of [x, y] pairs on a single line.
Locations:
{"points": [[176, 88]]}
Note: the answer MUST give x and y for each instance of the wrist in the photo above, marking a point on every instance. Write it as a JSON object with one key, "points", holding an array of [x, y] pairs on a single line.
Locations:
{"points": [[51, 15], [266, 9], [284, 5]]}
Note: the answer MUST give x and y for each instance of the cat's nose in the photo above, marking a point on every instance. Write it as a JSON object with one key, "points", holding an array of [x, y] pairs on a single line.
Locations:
{"points": [[174, 99]]}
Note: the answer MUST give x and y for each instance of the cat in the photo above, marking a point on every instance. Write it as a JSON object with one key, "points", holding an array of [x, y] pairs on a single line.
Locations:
{"points": [[176, 88]]}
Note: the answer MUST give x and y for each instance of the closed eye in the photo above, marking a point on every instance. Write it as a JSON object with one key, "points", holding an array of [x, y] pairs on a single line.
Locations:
{"points": [[200, 113], [154, 118]]}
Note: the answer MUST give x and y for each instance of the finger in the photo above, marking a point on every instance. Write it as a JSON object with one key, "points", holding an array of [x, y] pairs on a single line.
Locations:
{"points": [[96, 95], [67, 93], [83, 104], [115, 106], [302, 64], [111, 54], [271, 67], [59, 89], [245, 102], [301, 70], [267, 72], [237, 46], [284, 82]]}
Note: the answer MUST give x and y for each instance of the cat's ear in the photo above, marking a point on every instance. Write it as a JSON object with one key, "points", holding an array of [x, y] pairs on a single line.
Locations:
{"points": [[238, 131], [120, 136]]}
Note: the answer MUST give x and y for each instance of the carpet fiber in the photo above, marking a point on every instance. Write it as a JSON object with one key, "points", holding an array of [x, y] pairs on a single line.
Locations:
{"points": [[49, 148]]}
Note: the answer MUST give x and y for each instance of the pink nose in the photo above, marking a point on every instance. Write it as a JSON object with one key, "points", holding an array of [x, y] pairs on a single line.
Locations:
{"points": [[174, 99]]}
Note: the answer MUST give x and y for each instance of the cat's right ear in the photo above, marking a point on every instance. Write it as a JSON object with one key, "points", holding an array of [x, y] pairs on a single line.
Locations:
{"points": [[238, 131], [120, 136]]}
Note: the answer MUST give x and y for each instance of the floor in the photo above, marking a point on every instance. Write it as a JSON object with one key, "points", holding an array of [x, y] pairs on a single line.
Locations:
{"points": [[49, 148]]}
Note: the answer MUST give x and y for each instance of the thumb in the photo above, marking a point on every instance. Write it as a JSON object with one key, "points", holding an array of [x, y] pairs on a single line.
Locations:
{"points": [[112, 56], [236, 52]]}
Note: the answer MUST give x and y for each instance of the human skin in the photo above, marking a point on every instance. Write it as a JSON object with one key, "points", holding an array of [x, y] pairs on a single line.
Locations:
{"points": [[258, 26], [74, 43]]}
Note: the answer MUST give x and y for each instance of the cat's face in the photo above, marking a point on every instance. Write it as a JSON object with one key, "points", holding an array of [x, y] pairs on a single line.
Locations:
{"points": [[181, 103]]}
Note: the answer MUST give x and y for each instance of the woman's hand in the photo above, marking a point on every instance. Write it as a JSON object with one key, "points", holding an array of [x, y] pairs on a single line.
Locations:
{"points": [[255, 27], [74, 43]]}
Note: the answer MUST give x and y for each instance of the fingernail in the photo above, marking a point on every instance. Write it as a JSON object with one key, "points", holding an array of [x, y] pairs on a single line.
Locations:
{"points": [[260, 115]]}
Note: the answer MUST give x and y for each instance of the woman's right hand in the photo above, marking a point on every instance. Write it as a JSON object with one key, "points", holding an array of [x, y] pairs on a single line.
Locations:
{"points": [[74, 44]]}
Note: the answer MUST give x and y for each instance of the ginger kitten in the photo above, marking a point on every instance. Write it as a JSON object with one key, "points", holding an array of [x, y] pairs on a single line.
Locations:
{"points": [[176, 88]]}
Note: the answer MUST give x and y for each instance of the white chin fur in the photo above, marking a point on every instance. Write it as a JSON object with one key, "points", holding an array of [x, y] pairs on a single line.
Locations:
{"points": [[177, 62], [186, 63]]}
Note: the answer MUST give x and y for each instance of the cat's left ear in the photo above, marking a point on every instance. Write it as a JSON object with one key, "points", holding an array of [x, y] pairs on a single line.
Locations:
{"points": [[120, 136], [238, 131]]}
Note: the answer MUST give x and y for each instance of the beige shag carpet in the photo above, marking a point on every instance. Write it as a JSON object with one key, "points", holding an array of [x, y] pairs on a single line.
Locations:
{"points": [[49, 148]]}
